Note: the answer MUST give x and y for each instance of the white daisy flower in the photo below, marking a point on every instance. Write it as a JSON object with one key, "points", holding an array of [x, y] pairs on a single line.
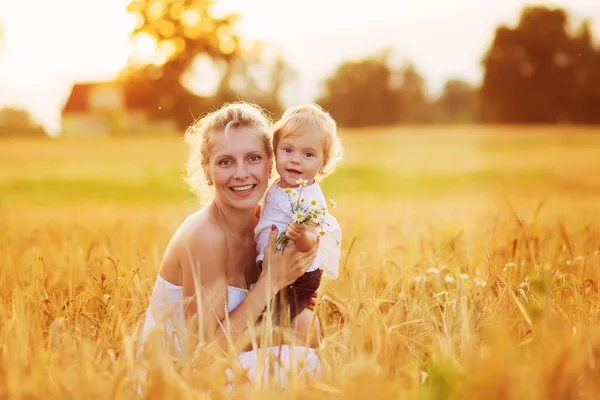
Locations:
{"points": [[480, 282], [301, 182]]}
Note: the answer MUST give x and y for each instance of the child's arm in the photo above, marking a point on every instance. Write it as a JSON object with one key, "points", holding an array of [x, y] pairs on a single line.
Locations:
{"points": [[304, 238]]}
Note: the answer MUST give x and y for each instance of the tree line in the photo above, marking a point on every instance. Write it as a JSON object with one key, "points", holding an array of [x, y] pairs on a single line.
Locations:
{"points": [[543, 70]]}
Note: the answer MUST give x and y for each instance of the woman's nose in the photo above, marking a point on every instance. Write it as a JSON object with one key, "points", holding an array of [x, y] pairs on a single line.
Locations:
{"points": [[240, 171]]}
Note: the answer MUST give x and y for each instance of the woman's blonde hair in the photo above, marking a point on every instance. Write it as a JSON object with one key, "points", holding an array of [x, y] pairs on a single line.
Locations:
{"points": [[296, 120], [229, 116]]}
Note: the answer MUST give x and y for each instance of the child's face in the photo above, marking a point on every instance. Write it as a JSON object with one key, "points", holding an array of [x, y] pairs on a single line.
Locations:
{"points": [[299, 156]]}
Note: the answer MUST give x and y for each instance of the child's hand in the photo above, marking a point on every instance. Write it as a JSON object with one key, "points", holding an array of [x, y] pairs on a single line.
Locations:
{"points": [[295, 231], [302, 236]]}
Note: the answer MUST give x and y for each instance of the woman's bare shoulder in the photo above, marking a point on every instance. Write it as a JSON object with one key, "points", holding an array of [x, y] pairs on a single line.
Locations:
{"points": [[197, 241], [199, 230]]}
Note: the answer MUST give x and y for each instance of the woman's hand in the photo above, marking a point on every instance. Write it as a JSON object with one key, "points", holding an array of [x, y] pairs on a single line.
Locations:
{"points": [[284, 269]]}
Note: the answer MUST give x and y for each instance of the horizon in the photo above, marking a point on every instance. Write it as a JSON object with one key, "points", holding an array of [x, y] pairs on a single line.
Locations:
{"points": [[98, 54]]}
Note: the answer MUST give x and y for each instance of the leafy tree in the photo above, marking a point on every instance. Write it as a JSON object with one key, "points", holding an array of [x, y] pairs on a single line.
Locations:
{"points": [[413, 105], [541, 72], [17, 122], [360, 93], [370, 92], [182, 31], [585, 93], [458, 102]]}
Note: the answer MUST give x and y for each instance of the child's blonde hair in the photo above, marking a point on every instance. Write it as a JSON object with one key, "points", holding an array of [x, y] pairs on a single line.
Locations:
{"points": [[298, 119], [229, 116]]}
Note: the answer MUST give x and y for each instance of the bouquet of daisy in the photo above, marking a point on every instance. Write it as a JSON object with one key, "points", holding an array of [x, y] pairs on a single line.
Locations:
{"points": [[304, 211]]}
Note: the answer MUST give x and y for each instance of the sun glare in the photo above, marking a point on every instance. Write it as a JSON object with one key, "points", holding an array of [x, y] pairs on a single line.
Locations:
{"points": [[143, 47], [58, 43], [90, 38]]}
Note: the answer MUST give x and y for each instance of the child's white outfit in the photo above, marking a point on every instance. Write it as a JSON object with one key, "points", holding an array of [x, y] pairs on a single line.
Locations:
{"points": [[276, 210]]}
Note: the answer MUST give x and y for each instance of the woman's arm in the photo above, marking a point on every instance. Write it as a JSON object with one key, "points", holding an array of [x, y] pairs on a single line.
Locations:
{"points": [[203, 266]]}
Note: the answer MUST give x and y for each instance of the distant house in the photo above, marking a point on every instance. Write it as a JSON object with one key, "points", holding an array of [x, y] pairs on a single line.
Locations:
{"points": [[106, 109]]}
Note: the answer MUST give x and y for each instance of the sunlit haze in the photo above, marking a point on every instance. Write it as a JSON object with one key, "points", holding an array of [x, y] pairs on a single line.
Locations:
{"points": [[49, 45]]}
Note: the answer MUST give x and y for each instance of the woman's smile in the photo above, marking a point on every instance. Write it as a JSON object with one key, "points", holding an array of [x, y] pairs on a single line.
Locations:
{"points": [[243, 191]]}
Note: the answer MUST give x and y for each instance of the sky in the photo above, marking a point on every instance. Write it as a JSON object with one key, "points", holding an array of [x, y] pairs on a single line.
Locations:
{"points": [[50, 45]]}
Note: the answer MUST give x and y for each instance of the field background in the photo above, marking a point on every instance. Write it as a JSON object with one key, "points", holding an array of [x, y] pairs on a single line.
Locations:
{"points": [[83, 224]]}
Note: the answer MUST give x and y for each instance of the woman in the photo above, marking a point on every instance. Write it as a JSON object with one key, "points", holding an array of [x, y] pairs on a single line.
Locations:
{"points": [[201, 293]]}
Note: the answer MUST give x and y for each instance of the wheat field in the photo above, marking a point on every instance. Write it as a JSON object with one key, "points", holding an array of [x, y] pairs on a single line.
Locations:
{"points": [[470, 268]]}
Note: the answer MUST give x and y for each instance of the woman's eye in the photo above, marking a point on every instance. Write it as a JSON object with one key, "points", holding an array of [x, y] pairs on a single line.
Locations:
{"points": [[255, 158], [225, 162]]}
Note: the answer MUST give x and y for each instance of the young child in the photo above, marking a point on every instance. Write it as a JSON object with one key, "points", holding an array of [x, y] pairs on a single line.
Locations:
{"points": [[307, 149]]}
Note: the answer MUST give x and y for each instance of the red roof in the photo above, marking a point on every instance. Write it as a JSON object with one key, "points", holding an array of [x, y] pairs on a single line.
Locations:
{"points": [[78, 99]]}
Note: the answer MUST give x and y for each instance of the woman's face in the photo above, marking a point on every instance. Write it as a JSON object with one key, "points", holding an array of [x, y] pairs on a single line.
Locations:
{"points": [[239, 167]]}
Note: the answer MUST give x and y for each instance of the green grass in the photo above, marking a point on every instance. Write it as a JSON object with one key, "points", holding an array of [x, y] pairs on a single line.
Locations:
{"points": [[57, 190], [372, 181], [358, 180], [383, 164]]}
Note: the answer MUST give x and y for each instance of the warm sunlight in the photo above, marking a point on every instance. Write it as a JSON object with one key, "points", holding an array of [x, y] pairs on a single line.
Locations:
{"points": [[51, 45], [143, 47], [85, 38], [413, 178]]}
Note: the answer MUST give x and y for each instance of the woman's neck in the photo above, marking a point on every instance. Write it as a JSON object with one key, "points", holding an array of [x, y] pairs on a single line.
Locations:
{"points": [[234, 221]]}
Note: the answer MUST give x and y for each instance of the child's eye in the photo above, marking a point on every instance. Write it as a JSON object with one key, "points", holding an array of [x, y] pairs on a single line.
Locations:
{"points": [[287, 149], [309, 155]]}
